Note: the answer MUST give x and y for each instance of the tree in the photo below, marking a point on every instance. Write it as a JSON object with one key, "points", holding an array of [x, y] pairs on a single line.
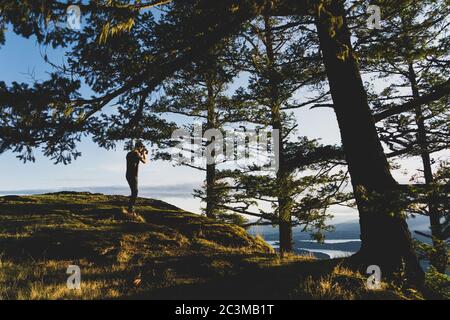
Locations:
{"points": [[27, 122], [280, 61], [417, 65], [374, 188], [199, 91]]}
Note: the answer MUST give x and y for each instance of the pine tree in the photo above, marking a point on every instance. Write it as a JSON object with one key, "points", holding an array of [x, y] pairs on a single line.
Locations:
{"points": [[280, 61], [411, 51], [199, 91]]}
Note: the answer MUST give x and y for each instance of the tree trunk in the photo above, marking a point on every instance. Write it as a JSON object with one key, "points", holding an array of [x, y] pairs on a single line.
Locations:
{"points": [[284, 200], [210, 191], [285, 221], [439, 261], [385, 237], [211, 201]]}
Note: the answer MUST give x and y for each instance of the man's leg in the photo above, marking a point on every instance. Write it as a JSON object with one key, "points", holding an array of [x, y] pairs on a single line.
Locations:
{"points": [[133, 183], [134, 195]]}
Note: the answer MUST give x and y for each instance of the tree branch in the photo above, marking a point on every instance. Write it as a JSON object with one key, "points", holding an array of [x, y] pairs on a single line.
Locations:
{"points": [[436, 93]]}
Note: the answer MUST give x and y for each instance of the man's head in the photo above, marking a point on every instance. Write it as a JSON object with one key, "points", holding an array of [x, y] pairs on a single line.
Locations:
{"points": [[139, 146]]}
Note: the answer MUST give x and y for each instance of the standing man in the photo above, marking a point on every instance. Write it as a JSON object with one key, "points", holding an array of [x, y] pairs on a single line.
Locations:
{"points": [[134, 157]]}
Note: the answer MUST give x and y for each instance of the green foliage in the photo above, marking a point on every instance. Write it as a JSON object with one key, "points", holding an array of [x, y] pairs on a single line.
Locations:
{"points": [[437, 253], [438, 283], [274, 80]]}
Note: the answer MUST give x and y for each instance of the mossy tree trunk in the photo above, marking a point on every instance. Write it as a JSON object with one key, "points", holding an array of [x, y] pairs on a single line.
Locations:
{"points": [[385, 237]]}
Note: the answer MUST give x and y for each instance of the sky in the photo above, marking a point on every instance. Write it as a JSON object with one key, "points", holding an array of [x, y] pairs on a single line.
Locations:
{"points": [[102, 170]]}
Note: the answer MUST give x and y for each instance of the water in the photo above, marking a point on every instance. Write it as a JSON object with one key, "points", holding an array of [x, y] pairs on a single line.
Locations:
{"points": [[324, 250]]}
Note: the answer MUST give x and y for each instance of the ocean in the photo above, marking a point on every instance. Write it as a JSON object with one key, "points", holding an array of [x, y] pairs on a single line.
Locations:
{"points": [[342, 242]]}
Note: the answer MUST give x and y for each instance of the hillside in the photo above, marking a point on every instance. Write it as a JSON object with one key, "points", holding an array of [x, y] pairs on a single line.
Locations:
{"points": [[172, 254]]}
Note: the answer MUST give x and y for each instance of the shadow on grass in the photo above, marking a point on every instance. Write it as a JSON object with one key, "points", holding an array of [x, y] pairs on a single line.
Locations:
{"points": [[252, 282]]}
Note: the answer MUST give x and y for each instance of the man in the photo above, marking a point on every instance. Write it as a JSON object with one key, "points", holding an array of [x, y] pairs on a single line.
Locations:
{"points": [[134, 157]]}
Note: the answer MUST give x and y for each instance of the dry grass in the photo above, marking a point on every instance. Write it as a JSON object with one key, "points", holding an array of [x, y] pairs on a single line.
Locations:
{"points": [[41, 236], [343, 284]]}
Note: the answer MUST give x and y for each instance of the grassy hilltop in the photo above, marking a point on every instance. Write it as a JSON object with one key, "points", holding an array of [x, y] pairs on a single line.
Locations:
{"points": [[172, 254]]}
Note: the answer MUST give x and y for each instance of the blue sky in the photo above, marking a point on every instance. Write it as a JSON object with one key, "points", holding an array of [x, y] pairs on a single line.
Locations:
{"points": [[21, 61]]}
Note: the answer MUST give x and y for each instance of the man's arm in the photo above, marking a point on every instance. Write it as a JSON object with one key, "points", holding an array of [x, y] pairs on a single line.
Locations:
{"points": [[142, 157]]}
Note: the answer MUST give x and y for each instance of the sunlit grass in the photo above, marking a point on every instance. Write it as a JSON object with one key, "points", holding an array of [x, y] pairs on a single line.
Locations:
{"points": [[171, 254], [42, 235]]}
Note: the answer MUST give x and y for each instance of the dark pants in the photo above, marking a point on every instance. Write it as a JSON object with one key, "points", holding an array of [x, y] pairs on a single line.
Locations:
{"points": [[133, 183]]}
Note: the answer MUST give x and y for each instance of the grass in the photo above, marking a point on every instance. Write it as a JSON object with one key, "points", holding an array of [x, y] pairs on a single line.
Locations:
{"points": [[172, 254]]}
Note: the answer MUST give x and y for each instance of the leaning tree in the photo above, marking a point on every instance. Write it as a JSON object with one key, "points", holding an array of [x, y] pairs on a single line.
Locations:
{"points": [[411, 53]]}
